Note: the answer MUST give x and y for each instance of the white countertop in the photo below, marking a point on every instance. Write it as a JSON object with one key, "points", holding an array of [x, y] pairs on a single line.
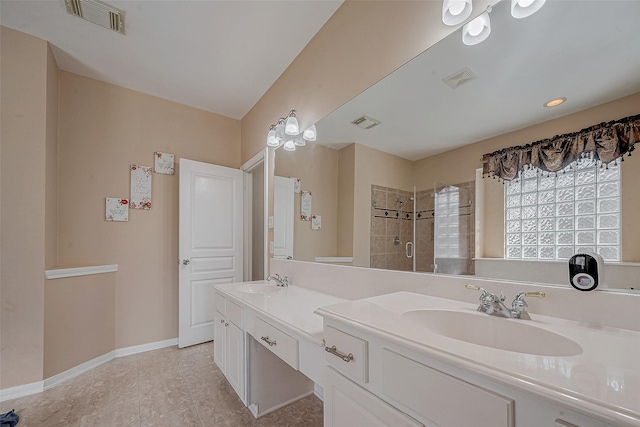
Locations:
{"points": [[292, 305], [603, 380]]}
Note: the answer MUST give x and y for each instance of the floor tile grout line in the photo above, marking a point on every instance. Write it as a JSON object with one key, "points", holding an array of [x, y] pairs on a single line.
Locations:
{"points": [[188, 390]]}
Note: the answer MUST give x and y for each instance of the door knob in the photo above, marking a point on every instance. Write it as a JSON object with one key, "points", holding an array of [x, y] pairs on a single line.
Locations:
{"points": [[186, 261]]}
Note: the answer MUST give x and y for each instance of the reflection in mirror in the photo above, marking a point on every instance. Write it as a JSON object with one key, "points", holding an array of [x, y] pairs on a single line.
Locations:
{"points": [[431, 137]]}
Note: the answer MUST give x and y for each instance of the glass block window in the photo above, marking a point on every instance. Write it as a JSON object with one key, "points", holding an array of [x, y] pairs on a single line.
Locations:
{"points": [[553, 217]]}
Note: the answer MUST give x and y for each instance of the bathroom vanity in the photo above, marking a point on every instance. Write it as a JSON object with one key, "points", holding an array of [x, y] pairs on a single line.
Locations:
{"points": [[410, 359], [269, 342], [407, 359]]}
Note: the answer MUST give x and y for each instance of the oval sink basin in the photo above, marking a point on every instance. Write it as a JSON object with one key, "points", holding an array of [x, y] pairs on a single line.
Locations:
{"points": [[494, 332], [258, 288]]}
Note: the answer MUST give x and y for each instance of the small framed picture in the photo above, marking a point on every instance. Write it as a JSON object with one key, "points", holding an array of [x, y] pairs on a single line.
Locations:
{"points": [[117, 209], [316, 222], [163, 163], [305, 205]]}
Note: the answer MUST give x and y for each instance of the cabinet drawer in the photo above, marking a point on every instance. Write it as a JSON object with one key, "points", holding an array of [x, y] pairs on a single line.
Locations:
{"points": [[234, 313], [220, 304], [282, 345], [349, 355], [444, 400]]}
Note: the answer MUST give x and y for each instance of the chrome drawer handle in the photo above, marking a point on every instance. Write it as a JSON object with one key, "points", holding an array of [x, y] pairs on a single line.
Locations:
{"points": [[333, 350], [268, 341]]}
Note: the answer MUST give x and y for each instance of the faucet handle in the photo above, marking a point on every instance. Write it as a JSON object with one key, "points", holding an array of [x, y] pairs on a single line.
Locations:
{"points": [[521, 295], [519, 307], [485, 293]]}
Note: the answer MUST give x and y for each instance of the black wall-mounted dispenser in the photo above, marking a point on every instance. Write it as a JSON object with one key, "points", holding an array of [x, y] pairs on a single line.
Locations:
{"points": [[586, 271]]}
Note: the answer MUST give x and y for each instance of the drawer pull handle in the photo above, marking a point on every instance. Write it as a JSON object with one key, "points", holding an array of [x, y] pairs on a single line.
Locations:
{"points": [[333, 350], [268, 341]]}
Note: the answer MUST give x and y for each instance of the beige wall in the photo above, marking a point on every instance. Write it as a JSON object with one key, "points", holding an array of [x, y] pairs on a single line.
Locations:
{"points": [[103, 129], [378, 168], [360, 44], [346, 182], [79, 320], [24, 78], [459, 166], [317, 168], [51, 189]]}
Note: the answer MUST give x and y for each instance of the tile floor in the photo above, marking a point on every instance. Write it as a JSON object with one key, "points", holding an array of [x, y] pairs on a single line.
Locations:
{"points": [[167, 387]]}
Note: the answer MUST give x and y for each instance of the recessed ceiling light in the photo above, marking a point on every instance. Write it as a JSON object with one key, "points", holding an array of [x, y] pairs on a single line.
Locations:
{"points": [[555, 102]]}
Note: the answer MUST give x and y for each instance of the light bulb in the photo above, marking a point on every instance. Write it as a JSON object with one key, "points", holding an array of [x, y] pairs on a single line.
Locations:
{"points": [[454, 12], [272, 141], [310, 133], [477, 30], [475, 27], [292, 128], [524, 8], [289, 145], [457, 8], [299, 141]]}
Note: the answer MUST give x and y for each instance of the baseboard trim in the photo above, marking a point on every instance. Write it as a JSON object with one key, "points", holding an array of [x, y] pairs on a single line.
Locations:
{"points": [[20, 391], [318, 391], [37, 387], [77, 370], [127, 351]]}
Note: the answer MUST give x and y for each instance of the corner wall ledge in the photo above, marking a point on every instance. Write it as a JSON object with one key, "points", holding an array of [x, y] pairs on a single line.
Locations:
{"points": [[336, 259], [80, 271]]}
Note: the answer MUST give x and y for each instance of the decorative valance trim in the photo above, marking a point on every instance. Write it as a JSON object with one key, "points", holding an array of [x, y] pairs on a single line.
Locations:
{"points": [[604, 142]]}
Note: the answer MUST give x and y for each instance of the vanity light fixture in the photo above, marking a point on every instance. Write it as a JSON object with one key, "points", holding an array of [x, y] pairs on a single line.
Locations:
{"points": [[454, 12], [310, 133], [272, 141], [524, 8], [555, 102], [299, 141], [477, 30], [286, 132], [292, 128]]}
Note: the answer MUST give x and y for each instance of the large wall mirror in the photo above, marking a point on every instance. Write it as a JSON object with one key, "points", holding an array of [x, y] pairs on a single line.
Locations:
{"points": [[386, 188]]}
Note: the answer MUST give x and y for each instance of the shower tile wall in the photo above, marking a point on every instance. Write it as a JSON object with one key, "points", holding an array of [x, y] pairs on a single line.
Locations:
{"points": [[386, 255], [384, 252]]}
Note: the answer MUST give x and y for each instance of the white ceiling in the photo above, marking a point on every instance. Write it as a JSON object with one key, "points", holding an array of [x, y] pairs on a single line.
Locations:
{"points": [[587, 51], [220, 56]]}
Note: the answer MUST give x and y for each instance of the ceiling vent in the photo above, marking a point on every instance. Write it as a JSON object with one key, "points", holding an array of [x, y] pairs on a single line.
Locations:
{"points": [[365, 122], [97, 12], [460, 78]]}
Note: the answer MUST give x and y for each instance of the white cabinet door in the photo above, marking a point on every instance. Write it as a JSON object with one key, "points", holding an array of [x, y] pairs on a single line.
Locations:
{"points": [[235, 358], [347, 404], [219, 345]]}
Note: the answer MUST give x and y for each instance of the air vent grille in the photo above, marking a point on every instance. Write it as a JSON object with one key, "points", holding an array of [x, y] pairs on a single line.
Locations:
{"points": [[459, 78], [97, 12], [365, 122]]}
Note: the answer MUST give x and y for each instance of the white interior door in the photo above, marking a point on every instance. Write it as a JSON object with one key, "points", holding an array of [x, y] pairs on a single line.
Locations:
{"points": [[283, 189], [210, 247]]}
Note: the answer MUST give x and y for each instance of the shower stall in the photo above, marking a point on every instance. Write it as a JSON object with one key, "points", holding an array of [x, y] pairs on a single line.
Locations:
{"points": [[427, 228]]}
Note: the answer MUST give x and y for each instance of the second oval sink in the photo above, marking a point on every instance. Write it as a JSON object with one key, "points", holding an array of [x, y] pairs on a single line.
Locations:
{"points": [[494, 332], [258, 288]]}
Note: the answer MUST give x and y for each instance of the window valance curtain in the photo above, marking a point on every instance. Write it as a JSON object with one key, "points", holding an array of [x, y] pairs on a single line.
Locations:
{"points": [[605, 142]]}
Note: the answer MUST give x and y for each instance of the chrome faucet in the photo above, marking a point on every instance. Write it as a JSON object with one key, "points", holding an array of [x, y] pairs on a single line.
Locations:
{"points": [[280, 281], [494, 305]]}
